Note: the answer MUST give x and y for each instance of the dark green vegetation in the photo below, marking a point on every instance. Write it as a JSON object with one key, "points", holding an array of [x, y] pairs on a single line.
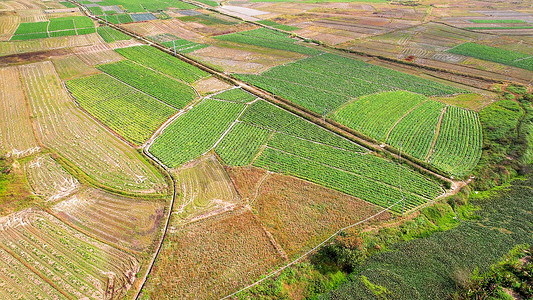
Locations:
{"points": [[241, 144], [507, 141], [159, 61], [514, 273], [506, 57], [277, 25], [269, 39], [132, 114], [111, 35], [324, 82], [235, 95], [64, 26], [164, 88], [195, 132]]}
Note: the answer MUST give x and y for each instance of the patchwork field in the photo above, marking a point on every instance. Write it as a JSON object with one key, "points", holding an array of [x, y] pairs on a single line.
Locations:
{"points": [[506, 57], [55, 27]]}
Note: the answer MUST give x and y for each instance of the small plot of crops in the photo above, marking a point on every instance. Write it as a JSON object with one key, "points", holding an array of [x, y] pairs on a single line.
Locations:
{"points": [[71, 66], [277, 25], [184, 46], [42, 258], [458, 146], [240, 145], [208, 19], [235, 95], [90, 150], [122, 221], [48, 179], [111, 35], [375, 115], [154, 59], [137, 6], [65, 26], [205, 189], [266, 115], [267, 38], [130, 113], [415, 132], [505, 21], [506, 57], [195, 132], [155, 84], [324, 82], [117, 19]]}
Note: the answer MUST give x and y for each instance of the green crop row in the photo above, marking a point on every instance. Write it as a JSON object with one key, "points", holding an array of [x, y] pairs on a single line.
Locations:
{"points": [[195, 132], [162, 62], [352, 184], [415, 132], [277, 25], [324, 82], [235, 95], [241, 144], [265, 115], [267, 38], [130, 113], [55, 27], [458, 146], [506, 57], [184, 46], [166, 89], [375, 115], [366, 165], [111, 35]]}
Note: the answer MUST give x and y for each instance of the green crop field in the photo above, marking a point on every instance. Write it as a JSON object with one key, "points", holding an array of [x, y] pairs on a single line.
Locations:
{"points": [[164, 88], [415, 132], [184, 46], [162, 62], [267, 38], [195, 132], [277, 25], [235, 95], [266, 115], [64, 26], [324, 82], [375, 115], [111, 35], [68, 4], [506, 57], [458, 146], [347, 182], [117, 19], [130, 113], [241, 144], [499, 27], [138, 6]]}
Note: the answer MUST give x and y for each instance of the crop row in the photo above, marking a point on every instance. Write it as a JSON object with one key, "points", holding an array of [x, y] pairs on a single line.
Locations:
{"points": [[111, 35], [164, 88], [267, 38], [241, 144], [130, 113], [195, 132], [153, 58], [375, 115], [235, 95], [352, 184], [55, 27], [366, 165], [458, 146], [266, 115], [415, 132], [506, 57]]}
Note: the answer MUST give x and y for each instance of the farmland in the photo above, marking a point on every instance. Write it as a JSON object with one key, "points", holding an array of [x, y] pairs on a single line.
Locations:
{"points": [[161, 62], [241, 144], [80, 141], [506, 57], [111, 35], [235, 95], [130, 113], [195, 132], [324, 82], [48, 179], [65, 26], [172, 92], [269, 39]]}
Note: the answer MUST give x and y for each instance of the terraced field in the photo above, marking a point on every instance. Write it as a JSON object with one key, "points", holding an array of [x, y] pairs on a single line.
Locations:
{"points": [[506, 57], [89, 149]]}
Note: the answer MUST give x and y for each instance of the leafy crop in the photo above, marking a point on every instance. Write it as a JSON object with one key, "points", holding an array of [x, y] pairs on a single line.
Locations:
{"points": [[111, 35], [162, 62], [132, 114], [195, 132], [506, 57], [64, 26], [168, 90], [235, 95], [241, 144], [277, 25]]}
